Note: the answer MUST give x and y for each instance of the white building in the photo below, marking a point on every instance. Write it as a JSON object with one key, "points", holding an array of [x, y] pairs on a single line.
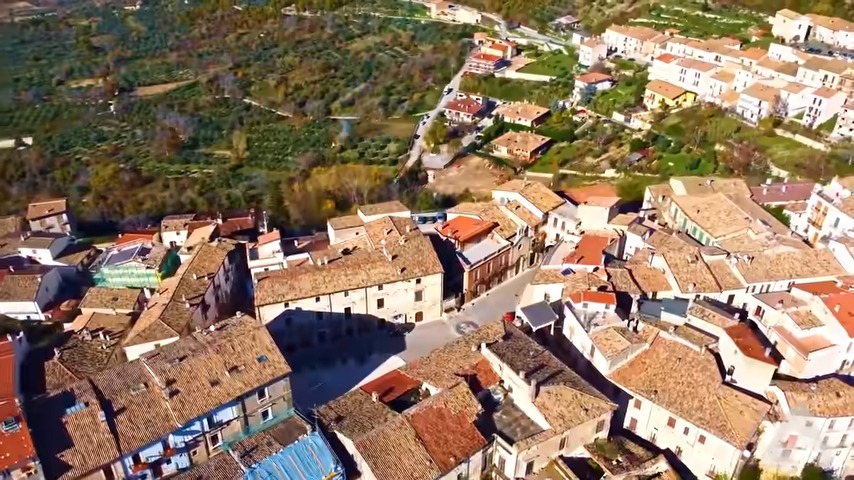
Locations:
{"points": [[757, 102], [44, 247], [830, 210], [815, 425], [30, 294], [822, 105], [844, 128], [592, 51], [680, 402]]}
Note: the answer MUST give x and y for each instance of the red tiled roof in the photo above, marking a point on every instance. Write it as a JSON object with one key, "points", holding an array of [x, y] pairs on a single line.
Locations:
{"points": [[781, 192], [16, 446], [605, 298], [666, 58], [589, 250], [480, 376], [391, 385], [593, 77], [445, 425], [273, 236], [748, 342], [463, 229], [838, 300], [130, 237], [465, 105], [580, 195], [485, 57]]}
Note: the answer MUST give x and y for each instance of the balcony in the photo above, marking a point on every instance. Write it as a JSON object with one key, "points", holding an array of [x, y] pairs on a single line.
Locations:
{"points": [[139, 467]]}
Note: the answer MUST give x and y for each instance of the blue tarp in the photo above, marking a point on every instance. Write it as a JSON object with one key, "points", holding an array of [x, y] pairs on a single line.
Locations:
{"points": [[309, 458]]}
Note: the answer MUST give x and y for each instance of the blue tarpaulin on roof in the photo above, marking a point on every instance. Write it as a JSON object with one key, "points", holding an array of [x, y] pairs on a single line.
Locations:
{"points": [[309, 458]]}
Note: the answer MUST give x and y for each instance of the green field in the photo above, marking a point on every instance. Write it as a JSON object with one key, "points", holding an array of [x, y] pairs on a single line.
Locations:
{"points": [[554, 64]]}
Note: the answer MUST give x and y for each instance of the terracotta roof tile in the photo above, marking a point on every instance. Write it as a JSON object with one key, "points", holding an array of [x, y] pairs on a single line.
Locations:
{"points": [[687, 382], [536, 193], [464, 229], [445, 424], [46, 208], [831, 397]]}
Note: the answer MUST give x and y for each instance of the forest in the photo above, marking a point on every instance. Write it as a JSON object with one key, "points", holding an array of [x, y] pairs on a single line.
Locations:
{"points": [[182, 106]]}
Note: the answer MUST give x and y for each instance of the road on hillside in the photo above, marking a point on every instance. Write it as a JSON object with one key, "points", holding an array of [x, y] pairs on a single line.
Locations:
{"points": [[424, 127]]}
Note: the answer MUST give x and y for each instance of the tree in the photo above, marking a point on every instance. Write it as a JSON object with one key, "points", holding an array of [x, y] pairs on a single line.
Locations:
{"points": [[742, 157], [779, 110], [437, 134], [750, 471], [239, 146]]}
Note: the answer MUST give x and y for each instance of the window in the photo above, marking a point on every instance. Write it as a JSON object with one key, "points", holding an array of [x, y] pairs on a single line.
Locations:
{"points": [[786, 453], [346, 294], [529, 468], [678, 451], [671, 422], [266, 414], [379, 288], [316, 299], [633, 424], [418, 281], [215, 440], [844, 440], [600, 426], [831, 424], [419, 296], [263, 394], [824, 441], [287, 305], [380, 303], [501, 463], [701, 439], [562, 443], [685, 431], [348, 312], [809, 423]]}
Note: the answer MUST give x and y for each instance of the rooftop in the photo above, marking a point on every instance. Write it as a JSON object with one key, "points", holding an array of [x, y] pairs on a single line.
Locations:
{"points": [[665, 89], [521, 111], [687, 382], [20, 286], [119, 299], [590, 250], [523, 141], [830, 397], [46, 208], [170, 309], [580, 195], [797, 265], [763, 92], [384, 208], [393, 250], [783, 192], [16, 445], [535, 192], [489, 211], [148, 254], [593, 77], [464, 229], [466, 105]]}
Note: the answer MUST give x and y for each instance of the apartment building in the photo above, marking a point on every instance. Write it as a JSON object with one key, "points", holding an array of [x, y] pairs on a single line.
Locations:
{"points": [[632, 41], [758, 101], [591, 51], [819, 72], [484, 63], [830, 211], [166, 411], [822, 105], [213, 284], [694, 75], [482, 252], [815, 425], [794, 27], [844, 128], [435, 411], [388, 274], [51, 216], [18, 456], [243, 226], [692, 417], [771, 68], [792, 196], [464, 110]]}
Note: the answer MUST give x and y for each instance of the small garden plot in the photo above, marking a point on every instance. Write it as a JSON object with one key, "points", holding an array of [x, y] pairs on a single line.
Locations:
{"points": [[693, 20], [554, 64]]}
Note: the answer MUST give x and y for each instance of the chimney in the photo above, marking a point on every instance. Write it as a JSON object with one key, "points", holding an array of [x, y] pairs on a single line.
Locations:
{"points": [[187, 304], [651, 258], [56, 352], [767, 351], [836, 308], [86, 334], [779, 304], [219, 218], [11, 269], [375, 397], [784, 188], [9, 337], [522, 374], [764, 191]]}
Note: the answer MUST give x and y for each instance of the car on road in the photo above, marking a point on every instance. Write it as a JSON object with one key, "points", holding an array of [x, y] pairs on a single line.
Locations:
{"points": [[416, 136], [447, 90]]}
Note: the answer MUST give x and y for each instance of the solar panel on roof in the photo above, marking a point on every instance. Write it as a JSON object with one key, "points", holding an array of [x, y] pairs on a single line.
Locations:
{"points": [[123, 256]]}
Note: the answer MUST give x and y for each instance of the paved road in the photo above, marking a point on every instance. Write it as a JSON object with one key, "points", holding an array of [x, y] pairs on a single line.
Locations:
{"points": [[316, 387], [421, 130]]}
